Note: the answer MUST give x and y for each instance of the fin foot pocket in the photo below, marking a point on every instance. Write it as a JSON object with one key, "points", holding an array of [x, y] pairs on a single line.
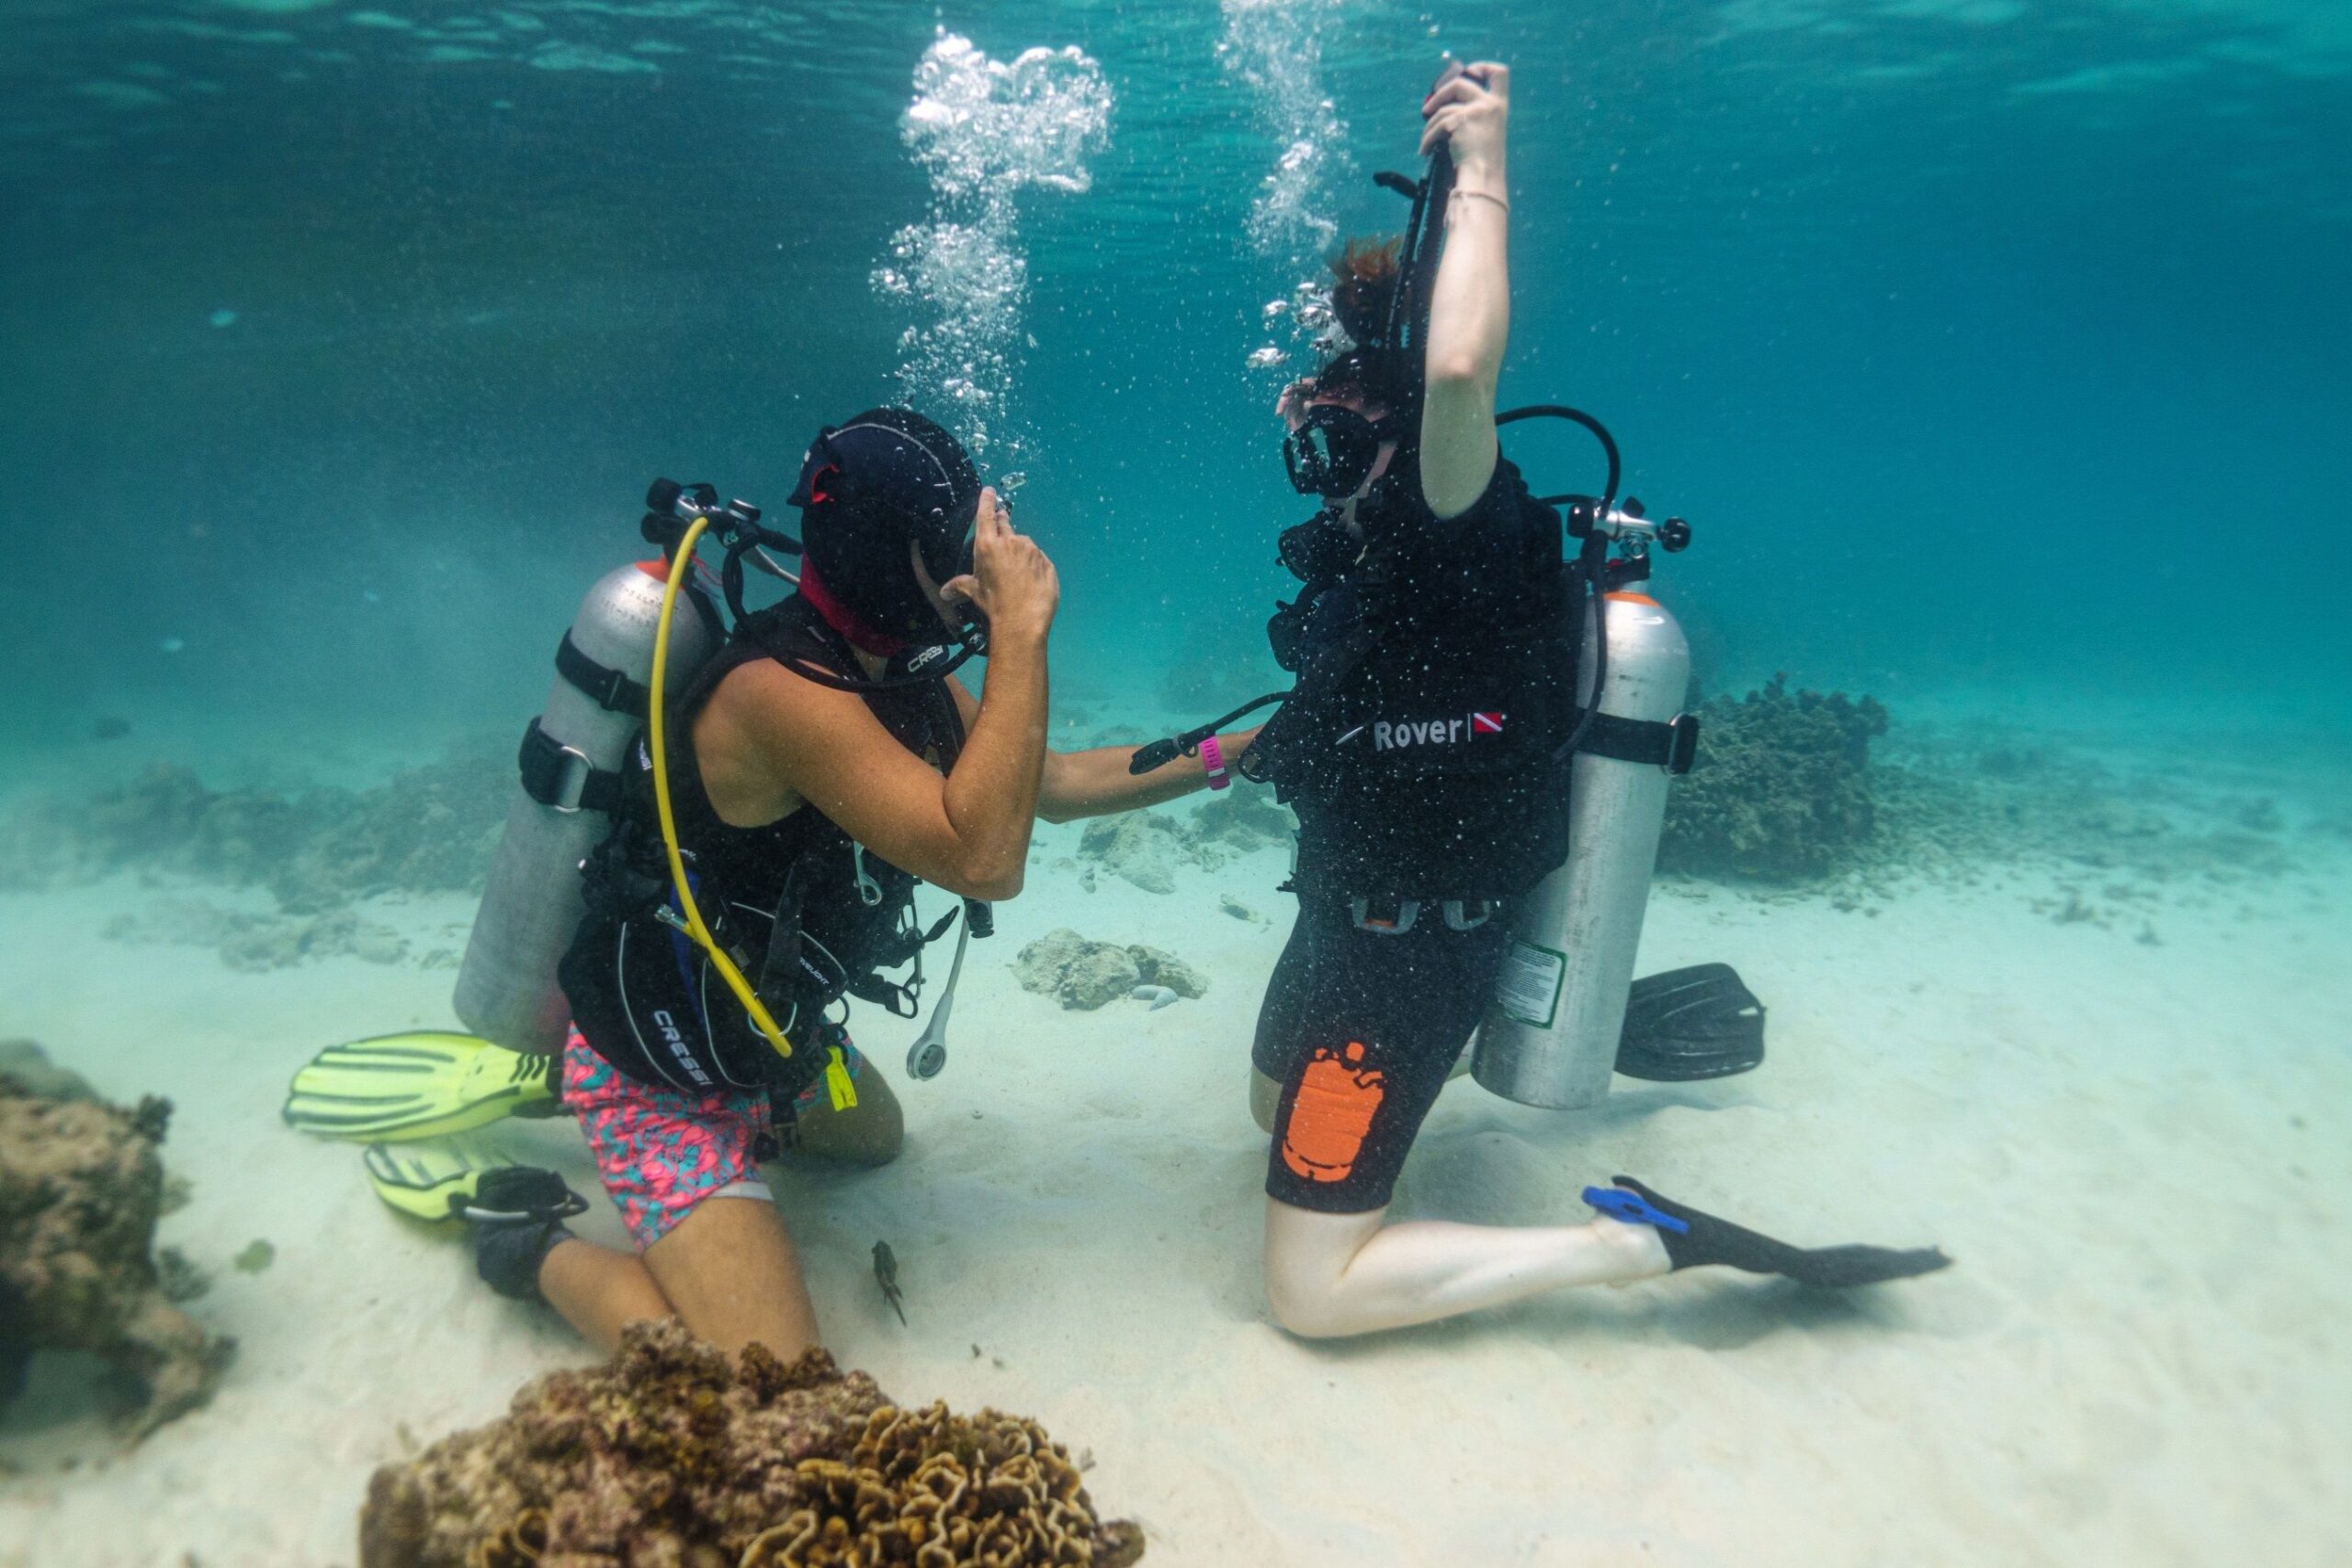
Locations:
{"points": [[514, 1213], [1694, 1239], [1689, 1024]]}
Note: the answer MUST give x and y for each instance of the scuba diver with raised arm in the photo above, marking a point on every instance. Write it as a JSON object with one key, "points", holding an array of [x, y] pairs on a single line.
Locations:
{"points": [[750, 850], [1427, 749]]}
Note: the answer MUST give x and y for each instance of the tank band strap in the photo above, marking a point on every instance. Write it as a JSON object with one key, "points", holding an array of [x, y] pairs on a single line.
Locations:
{"points": [[562, 777], [608, 688], [1672, 745]]}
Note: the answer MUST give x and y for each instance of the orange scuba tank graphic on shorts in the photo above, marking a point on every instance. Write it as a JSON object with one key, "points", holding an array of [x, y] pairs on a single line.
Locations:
{"points": [[1337, 1099]]}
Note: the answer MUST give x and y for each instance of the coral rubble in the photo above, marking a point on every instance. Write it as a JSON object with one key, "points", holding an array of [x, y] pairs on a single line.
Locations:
{"points": [[1241, 819], [258, 942], [674, 1455], [1953, 800], [81, 1186], [36, 1076], [1076, 972], [1781, 789], [1805, 787], [1080, 972], [1158, 968], [1146, 846], [1141, 846], [431, 828]]}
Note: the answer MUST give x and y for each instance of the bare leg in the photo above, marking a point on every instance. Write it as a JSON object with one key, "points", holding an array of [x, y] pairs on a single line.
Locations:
{"points": [[1265, 1099], [1329, 1275], [870, 1132], [600, 1291], [729, 1270]]}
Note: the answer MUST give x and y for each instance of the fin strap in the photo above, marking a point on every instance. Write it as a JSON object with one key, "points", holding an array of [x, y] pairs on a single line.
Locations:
{"points": [[1620, 1205], [516, 1194]]}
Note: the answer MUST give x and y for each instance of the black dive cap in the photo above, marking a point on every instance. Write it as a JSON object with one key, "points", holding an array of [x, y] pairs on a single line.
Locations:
{"points": [[869, 486]]}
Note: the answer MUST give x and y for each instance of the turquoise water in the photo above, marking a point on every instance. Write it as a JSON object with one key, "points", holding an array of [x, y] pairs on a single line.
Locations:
{"points": [[1994, 350]]}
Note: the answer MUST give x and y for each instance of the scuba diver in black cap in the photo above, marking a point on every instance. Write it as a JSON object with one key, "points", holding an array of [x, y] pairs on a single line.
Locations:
{"points": [[768, 826], [1427, 750]]}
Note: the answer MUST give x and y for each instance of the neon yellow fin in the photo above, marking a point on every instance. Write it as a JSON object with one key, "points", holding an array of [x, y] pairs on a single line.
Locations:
{"points": [[427, 1180], [394, 1088]]}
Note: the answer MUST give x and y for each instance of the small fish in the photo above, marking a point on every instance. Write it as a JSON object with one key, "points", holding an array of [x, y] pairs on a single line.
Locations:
{"points": [[113, 726], [224, 317], [1007, 483], [886, 1274], [173, 644], [1157, 996]]}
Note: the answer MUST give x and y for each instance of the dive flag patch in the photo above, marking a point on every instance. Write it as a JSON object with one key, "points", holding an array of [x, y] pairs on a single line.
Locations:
{"points": [[1486, 724]]}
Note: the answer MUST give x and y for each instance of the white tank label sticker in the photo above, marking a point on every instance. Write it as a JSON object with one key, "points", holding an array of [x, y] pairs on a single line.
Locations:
{"points": [[1529, 991]]}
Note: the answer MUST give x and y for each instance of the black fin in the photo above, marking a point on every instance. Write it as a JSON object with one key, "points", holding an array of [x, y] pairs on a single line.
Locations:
{"points": [[1703, 1239], [1685, 1024]]}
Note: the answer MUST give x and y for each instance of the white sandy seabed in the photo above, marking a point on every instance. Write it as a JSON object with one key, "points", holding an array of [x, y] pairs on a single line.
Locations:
{"points": [[2136, 1153]]}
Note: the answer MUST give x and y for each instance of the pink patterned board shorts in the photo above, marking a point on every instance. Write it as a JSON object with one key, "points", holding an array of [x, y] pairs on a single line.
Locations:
{"points": [[662, 1151]]}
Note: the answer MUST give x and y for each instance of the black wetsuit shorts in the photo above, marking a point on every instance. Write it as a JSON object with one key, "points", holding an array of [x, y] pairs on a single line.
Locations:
{"points": [[1361, 1025]]}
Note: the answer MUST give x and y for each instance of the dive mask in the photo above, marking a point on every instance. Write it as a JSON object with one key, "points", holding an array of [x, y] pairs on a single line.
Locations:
{"points": [[1331, 454]]}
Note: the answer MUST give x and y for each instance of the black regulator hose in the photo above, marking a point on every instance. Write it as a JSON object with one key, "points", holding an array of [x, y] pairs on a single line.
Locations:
{"points": [[1160, 753], [1573, 416], [1592, 554]]}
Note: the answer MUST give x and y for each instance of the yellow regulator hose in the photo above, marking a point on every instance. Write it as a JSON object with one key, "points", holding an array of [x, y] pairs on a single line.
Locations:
{"points": [[843, 1093]]}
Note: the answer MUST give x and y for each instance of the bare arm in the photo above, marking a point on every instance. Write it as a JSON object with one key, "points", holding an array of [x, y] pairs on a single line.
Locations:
{"points": [[967, 832], [1470, 302], [1096, 783]]}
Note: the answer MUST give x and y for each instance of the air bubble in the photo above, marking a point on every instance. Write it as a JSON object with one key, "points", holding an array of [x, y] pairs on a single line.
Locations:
{"points": [[984, 130]]}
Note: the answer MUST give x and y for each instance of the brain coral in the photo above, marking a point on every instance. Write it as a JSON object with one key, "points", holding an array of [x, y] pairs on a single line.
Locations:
{"points": [[676, 1456]]}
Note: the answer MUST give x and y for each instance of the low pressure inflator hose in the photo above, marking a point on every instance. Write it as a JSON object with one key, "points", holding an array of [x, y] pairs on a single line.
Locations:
{"points": [[838, 1085]]}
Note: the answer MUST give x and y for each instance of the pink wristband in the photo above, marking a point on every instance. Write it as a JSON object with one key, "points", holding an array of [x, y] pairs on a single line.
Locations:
{"points": [[1213, 761]]}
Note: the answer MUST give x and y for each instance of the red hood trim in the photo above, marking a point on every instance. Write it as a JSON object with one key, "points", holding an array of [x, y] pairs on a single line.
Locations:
{"points": [[844, 620]]}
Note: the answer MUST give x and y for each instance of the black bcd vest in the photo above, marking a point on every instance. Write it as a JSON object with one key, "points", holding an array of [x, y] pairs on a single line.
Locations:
{"points": [[806, 913], [1436, 665]]}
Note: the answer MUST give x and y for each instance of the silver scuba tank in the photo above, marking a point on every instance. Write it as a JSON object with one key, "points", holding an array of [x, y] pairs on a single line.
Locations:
{"points": [[571, 760], [1550, 1035]]}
